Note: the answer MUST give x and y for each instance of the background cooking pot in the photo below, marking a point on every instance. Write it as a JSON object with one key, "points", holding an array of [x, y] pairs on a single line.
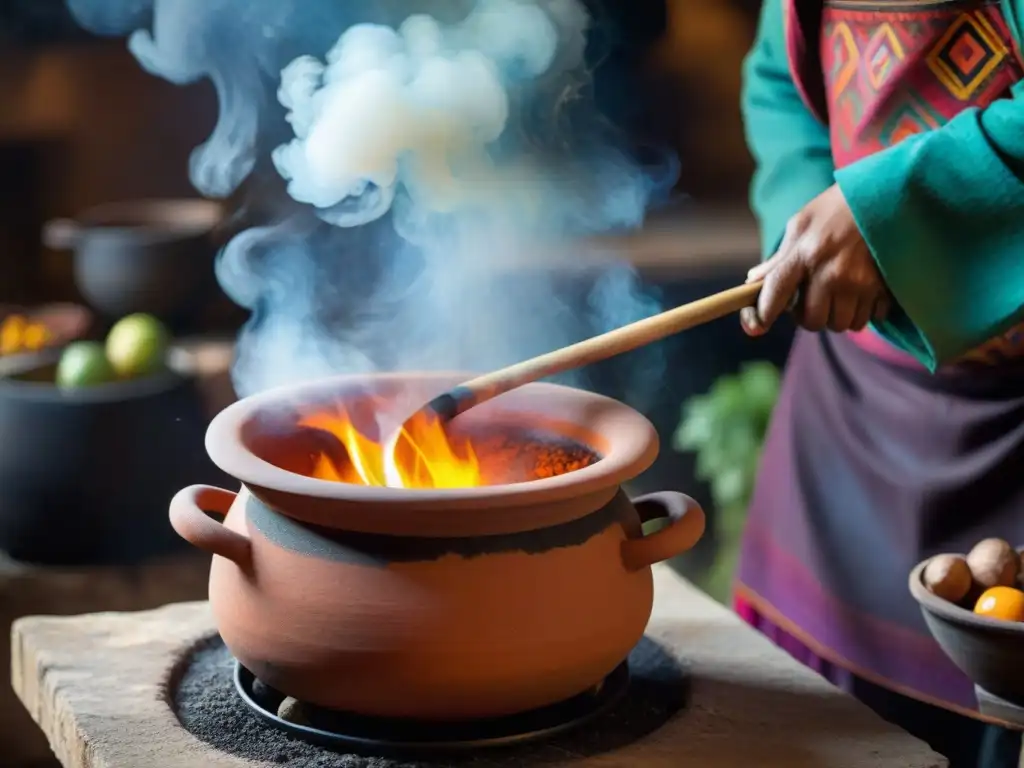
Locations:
{"points": [[443, 604], [154, 256], [86, 474]]}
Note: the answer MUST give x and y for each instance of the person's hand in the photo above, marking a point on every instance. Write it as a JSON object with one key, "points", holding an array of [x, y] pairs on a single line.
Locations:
{"points": [[823, 271]]}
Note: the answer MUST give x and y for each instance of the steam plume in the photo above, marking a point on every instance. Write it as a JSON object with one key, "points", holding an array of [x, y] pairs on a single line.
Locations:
{"points": [[448, 156]]}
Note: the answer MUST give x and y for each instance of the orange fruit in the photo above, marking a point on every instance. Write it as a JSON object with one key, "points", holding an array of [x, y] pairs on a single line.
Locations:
{"points": [[1004, 603]]}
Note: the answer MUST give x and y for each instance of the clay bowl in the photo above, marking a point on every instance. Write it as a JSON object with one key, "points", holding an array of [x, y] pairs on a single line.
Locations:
{"points": [[987, 650], [154, 256], [432, 604]]}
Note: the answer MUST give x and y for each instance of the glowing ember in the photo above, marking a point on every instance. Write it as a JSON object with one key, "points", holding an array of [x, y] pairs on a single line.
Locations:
{"points": [[423, 456]]}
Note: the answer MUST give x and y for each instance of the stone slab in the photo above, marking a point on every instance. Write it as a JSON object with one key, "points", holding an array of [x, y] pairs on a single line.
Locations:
{"points": [[98, 687], [29, 591]]}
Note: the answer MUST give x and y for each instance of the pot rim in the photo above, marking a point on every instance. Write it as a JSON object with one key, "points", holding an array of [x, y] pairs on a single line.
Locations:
{"points": [[182, 213], [173, 377], [147, 221], [634, 448]]}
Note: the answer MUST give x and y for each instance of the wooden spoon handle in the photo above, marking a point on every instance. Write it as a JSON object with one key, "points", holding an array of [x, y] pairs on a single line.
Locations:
{"points": [[596, 348]]}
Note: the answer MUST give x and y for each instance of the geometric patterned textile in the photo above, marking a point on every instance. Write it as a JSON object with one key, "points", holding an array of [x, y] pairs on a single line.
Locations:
{"points": [[895, 68]]}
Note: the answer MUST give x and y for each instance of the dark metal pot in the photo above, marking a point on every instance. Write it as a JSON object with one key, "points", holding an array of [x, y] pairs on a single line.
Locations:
{"points": [[154, 256], [86, 476]]}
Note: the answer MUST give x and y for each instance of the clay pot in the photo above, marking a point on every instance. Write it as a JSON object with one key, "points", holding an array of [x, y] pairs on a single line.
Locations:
{"points": [[432, 604]]}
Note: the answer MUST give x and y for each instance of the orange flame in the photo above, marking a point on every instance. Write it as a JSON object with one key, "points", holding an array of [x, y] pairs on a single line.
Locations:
{"points": [[422, 456]]}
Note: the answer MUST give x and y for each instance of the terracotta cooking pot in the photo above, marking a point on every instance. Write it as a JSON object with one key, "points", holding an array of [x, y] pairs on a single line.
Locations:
{"points": [[432, 604]]}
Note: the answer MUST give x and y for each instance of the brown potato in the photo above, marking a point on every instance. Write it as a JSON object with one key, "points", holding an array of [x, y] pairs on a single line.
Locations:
{"points": [[994, 563], [948, 577]]}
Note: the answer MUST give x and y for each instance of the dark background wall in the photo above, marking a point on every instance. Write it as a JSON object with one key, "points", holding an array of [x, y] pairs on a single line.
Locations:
{"points": [[81, 124]]}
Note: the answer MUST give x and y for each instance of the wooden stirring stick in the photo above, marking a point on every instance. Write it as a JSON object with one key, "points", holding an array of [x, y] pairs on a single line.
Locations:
{"points": [[624, 339]]}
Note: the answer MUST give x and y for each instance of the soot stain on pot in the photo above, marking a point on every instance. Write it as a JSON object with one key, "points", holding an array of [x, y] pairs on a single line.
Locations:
{"points": [[378, 549], [208, 706]]}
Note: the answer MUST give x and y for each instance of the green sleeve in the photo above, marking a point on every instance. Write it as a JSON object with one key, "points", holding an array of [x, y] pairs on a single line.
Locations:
{"points": [[790, 146], [943, 214]]}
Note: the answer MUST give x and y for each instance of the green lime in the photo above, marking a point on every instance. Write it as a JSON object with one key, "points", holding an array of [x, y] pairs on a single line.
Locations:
{"points": [[137, 345], [83, 364]]}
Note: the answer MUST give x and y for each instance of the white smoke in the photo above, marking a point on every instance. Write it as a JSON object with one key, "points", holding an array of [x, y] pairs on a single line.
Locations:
{"points": [[417, 107], [450, 149]]}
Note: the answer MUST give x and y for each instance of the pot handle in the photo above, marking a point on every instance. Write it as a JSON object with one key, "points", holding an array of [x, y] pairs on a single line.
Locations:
{"points": [[61, 234], [685, 527], [193, 524]]}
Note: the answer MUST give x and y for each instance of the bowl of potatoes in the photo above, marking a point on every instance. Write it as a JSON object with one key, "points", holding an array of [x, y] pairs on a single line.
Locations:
{"points": [[973, 605]]}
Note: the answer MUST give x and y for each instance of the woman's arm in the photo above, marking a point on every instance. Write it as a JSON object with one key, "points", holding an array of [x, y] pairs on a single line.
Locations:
{"points": [[943, 215], [794, 193], [790, 146]]}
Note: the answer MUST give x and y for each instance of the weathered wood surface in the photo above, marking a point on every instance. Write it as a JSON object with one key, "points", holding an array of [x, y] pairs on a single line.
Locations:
{"points": [[28, 591], [96, 684]]}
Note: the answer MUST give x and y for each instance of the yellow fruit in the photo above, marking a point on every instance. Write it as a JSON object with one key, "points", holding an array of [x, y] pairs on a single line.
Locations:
{"points": [[137, 345], [11, 334], [36, 336]]}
